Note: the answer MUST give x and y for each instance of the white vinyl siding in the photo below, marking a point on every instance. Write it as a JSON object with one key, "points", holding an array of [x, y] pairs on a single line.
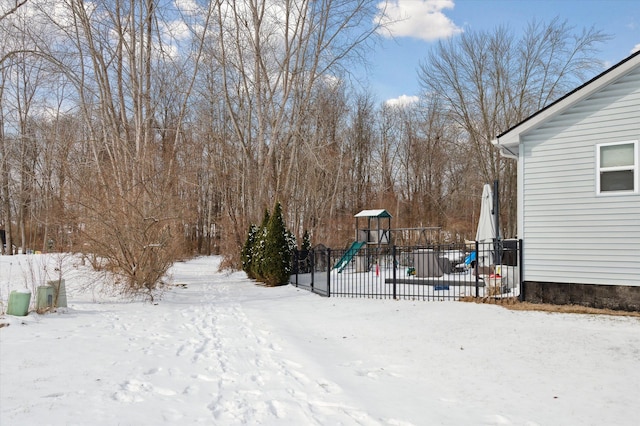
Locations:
{"points": [[570, 233]]}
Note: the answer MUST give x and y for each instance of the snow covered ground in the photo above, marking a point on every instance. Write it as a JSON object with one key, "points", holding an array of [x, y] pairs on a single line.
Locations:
{"points": [[218, 349]]}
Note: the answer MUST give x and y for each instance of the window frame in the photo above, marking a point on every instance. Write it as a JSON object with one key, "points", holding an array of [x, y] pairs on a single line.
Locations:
{"points": [[634, 168]]}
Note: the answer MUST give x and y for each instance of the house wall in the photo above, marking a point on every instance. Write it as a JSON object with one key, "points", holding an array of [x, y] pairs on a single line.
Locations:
{"points": [[570, 234]]}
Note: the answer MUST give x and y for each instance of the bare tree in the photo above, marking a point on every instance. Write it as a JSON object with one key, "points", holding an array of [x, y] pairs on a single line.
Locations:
{"points": [[272, 57], [25, 83], [133, 99], [490, 81], [4, 170], [12, 8], [418, 161], [322, 178], [8, 53], [360, 145]]}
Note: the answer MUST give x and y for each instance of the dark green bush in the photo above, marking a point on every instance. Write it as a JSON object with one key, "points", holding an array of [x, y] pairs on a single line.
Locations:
{"points": [[266, 255], [248, 249], [277, 250]]}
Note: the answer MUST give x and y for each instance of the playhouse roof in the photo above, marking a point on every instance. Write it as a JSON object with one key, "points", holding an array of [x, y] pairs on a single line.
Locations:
{"points": [[373, 213]]}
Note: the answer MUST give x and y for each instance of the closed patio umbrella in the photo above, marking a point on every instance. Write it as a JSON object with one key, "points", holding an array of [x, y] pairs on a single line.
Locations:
{"points": [[486, 232]]}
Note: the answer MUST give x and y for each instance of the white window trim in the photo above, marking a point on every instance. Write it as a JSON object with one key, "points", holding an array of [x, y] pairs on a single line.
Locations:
{"points": [[634, 168]]}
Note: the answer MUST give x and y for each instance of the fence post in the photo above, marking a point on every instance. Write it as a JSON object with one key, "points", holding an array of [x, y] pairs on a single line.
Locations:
{"points": [[393, 266], [476, 268], [312, 265], [328, 272], [520, 272], [296, 260]]}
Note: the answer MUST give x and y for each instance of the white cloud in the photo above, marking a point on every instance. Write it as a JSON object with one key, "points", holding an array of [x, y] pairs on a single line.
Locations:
{"points": [[188, 7], [421, 19], [402, 100], [176, 29], [635, 49], [331, 81]]}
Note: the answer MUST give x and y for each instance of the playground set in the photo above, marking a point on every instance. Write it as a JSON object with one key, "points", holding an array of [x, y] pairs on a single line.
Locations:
{"points": [[379, 236], [375, 266]]}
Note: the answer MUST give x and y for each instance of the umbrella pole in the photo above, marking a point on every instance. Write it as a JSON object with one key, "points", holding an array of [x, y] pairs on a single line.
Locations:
{"points": [[497, 247]]}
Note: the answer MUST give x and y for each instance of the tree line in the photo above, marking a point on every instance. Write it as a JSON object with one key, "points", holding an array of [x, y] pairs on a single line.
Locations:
{"points": [[143, 131]]}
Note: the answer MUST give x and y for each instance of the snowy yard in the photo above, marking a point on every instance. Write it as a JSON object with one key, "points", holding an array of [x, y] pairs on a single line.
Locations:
{"points": [[218, 349]]}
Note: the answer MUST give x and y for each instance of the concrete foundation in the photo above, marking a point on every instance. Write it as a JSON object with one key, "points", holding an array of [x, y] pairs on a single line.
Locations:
{"points": [[624, 298]]}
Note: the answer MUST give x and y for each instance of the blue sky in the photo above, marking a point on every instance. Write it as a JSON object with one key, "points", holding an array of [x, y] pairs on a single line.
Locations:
{"points": [[393, 73]]}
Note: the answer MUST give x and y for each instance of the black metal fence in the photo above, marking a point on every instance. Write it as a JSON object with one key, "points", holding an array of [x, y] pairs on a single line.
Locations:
{"points": [[433, 272]]}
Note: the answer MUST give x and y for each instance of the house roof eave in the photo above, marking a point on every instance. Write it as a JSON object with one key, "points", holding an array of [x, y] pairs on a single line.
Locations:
{"points": [[507, 150]]}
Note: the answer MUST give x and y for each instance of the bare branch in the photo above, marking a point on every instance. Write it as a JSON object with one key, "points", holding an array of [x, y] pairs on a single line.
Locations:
{"points": [[18, 4]]}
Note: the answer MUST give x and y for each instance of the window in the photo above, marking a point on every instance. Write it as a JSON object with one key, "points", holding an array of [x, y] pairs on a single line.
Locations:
{"points": [[617, 168]]}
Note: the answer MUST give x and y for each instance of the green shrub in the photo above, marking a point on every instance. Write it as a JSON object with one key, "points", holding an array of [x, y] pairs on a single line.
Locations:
{"points": [[268, 249], [248, 249], [258, 260], [276, 264]]}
